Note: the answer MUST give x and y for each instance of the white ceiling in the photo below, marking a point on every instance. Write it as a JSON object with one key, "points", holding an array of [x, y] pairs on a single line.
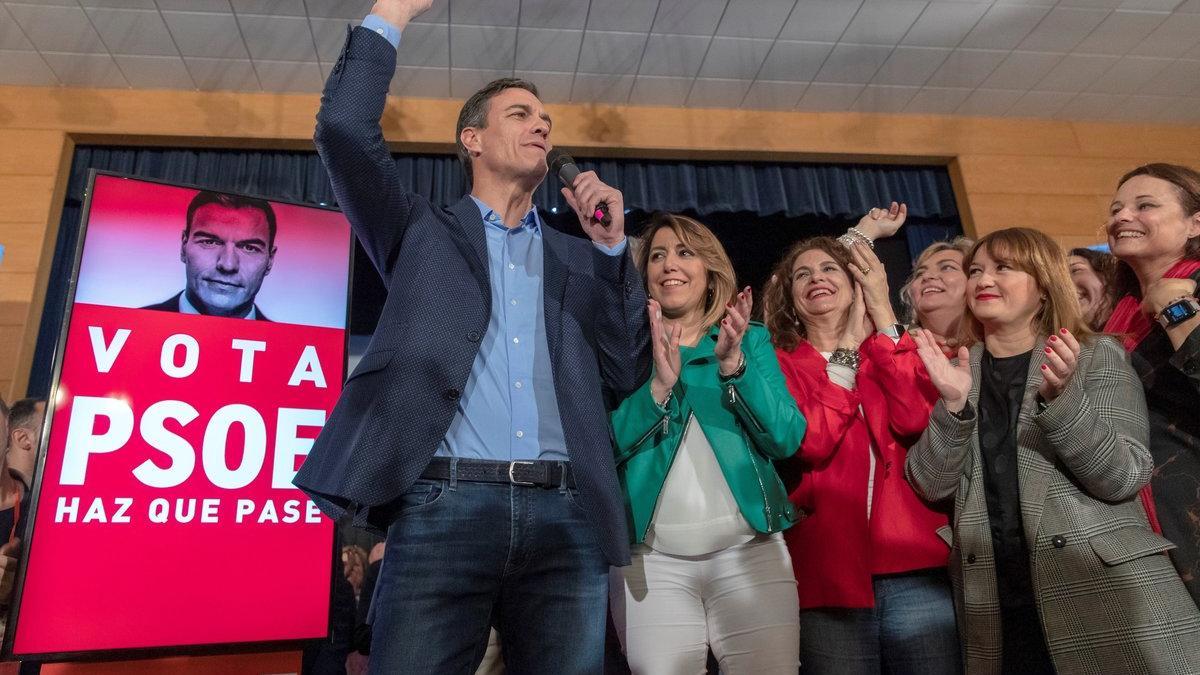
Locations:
{"points": [[1075, 59]]}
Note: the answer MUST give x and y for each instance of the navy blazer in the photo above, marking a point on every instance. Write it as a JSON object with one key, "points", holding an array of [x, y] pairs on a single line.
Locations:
{"points": [[398, 403]]}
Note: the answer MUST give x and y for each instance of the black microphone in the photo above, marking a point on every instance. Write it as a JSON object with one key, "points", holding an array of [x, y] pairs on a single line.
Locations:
{"points": [[562, 164]]}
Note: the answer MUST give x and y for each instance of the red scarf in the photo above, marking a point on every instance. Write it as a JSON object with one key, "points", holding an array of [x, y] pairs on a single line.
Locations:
{"points": [[1132, 326]]}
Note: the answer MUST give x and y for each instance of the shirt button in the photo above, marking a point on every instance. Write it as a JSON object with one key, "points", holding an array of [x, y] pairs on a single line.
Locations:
{"points": [[516, 341], [512, 266], [1058, 541], [518, 384], [379, 30], [474, 336], [520, 434], [970, 558], [452, 394], [513, 302]]}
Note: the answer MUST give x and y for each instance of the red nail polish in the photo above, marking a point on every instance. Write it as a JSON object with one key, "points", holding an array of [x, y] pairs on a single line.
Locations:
{"points": [[1048, 351], [1053, 338], [1044, 367], [1063, 331]]}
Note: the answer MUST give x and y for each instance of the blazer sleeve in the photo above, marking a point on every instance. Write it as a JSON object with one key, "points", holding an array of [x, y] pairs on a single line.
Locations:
{"points": [[622, 330], [828, 410], [902, 378], [1099, 426], [639, 422], [350, 141], [759, 398], [938, 459]]}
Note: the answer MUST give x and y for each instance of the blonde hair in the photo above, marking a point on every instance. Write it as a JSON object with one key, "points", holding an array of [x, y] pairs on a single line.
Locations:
{"points": [[722, 282], [787, 330], [1039, 256], [961, 244]]}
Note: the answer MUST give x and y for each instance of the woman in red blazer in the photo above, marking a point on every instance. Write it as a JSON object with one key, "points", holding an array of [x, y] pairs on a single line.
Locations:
{"points": [[870, 557]]}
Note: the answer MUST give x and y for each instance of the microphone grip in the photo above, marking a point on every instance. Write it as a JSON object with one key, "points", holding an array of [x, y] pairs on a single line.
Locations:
{"points": [[601, 215]]}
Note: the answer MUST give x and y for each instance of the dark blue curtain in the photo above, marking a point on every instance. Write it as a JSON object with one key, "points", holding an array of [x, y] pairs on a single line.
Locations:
{"points": [[791, 200]]}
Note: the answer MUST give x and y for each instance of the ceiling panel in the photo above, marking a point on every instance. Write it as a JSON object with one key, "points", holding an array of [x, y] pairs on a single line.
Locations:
{"points": [[795, 61], [737, 58], [207, 35], [674, 55], [819, 20], [608, 52], [660, 91], [883, 23], [155, 72], [86, 70], [829, 97], [754, 18], [554, 13], [25, 69], [482, 47], [133, 31], [937, 100], [852, 63], [1044, 58], [278, 38], [548, 49], [57, 29], [944, 24], [688, 17], [484, 12], [717, 93], [771, 95], [911, 65], [1004, 26]]}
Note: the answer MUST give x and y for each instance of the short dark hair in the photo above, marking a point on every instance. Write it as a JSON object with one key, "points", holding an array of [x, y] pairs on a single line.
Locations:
{"points": [[474, 114], [206, 197], [22, 413]]}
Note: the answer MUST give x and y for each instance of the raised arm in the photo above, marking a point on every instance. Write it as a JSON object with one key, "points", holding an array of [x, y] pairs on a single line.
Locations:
{"points": [[350, 140]]}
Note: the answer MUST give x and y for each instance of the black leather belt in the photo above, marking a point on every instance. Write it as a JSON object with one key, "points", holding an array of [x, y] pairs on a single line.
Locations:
{"points": [[520, 472]]}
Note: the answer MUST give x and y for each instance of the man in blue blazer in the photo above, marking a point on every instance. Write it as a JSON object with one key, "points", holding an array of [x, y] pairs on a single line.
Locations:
{"points": [[475, 427]]}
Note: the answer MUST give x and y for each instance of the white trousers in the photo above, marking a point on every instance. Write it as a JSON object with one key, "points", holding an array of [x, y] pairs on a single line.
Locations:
{"points": [[668, 610]]}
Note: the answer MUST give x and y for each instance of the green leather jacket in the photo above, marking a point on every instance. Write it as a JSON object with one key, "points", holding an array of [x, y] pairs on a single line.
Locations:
{"points": [[749, 421]]}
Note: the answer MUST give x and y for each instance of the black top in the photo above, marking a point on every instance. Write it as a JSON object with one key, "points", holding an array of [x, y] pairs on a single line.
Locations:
{"points": [[1001, 391]]}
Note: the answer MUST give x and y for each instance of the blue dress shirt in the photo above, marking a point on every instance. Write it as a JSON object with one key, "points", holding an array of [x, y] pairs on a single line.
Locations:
{"points": [[508, 409]]}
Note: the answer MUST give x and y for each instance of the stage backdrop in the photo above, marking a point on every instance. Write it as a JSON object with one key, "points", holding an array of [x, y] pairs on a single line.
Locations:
{"points": [[165, 514]]}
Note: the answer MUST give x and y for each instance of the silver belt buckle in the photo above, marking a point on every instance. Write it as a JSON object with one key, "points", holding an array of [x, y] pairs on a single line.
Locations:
{"points": [[513, 465]]}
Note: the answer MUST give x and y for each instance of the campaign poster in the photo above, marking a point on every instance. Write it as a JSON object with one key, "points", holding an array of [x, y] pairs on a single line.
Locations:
{"points": [[202, 353]]}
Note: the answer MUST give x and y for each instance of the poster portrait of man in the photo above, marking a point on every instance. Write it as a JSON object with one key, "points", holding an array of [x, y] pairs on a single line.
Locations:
{"points": [[227, 248]]}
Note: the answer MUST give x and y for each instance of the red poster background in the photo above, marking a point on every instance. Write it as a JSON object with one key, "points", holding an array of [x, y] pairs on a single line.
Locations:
{"points": [[92, 583]]}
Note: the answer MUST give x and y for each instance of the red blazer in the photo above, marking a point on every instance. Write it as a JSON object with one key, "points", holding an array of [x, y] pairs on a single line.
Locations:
{"points": [[835, 550]]}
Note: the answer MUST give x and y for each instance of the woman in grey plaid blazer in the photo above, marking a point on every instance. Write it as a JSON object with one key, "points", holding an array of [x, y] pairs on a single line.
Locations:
{"points": [[1040, 436]]}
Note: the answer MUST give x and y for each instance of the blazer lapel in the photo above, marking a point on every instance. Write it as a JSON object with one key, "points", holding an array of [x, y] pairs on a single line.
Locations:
{"points": [[555, 275], [471, 227]]}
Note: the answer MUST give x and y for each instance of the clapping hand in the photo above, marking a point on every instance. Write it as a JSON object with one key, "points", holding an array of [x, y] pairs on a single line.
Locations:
{"points": [[733, 327], [953, 381], [858, 324], [871, 276], [664, 343], [883, 223], [1062, 356]]}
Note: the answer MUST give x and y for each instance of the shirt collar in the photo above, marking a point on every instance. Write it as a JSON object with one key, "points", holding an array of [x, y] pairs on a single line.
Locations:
{"points": [[532, 221], [186, 307]]}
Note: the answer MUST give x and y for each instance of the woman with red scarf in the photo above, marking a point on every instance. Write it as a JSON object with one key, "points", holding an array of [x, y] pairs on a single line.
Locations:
{"points": [[1154, 230]]}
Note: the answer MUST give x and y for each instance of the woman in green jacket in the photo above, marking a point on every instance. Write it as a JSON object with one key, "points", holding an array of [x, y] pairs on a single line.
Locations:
{"points": [[694, 452]]}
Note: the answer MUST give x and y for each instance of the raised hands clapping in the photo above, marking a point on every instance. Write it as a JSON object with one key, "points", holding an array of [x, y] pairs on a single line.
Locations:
{"points": [[729, 340], [664, 343], [952, 380]]}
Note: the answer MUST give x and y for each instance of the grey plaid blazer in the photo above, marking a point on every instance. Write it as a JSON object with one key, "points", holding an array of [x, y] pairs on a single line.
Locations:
{"points": [[1109, 599]]}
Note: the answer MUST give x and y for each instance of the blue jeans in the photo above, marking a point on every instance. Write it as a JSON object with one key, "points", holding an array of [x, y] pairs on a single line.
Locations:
{"points": [[463, 556], [911, 629]]}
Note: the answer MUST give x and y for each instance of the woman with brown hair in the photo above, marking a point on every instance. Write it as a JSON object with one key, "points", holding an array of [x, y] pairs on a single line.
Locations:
{"points": [[1040, 437], [869, 562], [695, 446], [1093, 273], [1154, 230]]}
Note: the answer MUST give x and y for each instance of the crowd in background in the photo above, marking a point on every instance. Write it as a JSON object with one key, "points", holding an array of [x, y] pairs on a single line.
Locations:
{"points": [[1000, 476]]}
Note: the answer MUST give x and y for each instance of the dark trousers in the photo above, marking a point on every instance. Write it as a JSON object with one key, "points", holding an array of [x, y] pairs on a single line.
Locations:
{"points": [[463, 556]]}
